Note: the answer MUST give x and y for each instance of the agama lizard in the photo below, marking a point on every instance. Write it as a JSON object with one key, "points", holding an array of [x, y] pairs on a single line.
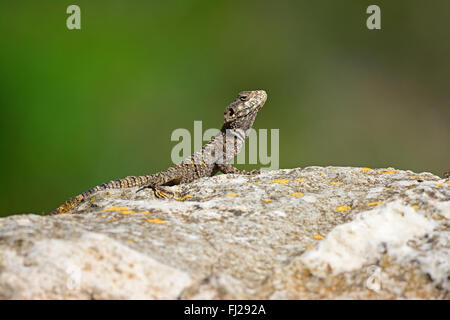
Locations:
{"points": [[214, 156]]}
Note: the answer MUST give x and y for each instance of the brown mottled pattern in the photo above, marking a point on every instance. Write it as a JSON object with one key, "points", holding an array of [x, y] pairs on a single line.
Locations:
{"points": [[213, 157]]}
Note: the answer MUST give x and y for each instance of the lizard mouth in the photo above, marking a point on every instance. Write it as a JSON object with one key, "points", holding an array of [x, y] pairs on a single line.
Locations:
{"points": [[250, 111]]}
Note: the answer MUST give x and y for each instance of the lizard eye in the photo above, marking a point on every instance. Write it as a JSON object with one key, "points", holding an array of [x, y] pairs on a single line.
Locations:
{"points": [[243, 98]]}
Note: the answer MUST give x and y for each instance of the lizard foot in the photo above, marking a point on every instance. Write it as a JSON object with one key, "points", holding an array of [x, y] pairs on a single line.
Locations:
{"points": [[160, 192], [163, 193]]}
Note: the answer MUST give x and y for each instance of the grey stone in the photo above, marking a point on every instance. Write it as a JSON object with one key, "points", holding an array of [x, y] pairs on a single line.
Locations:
{"points": [[312, 233]]}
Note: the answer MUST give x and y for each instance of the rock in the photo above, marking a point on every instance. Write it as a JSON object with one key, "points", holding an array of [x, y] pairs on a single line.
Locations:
{"points": [[333, 233]]}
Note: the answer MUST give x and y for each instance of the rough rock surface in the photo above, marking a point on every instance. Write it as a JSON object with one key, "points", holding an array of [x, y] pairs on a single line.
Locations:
{"points": [[334, 233]]}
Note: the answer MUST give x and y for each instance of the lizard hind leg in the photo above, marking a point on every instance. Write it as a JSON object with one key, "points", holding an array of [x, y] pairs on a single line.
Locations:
{"points": [[162, 181], [159, 191]]}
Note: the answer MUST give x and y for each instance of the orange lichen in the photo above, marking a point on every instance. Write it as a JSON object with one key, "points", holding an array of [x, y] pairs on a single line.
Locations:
{"points": [[374, 203], [145, 212], [318, 236], [309, 247], [115, 208], [280, 180], [128, 211], [230, 194], [365, 169], [301, 179], [336, 183], [188, 196], [386, 172], [156, 221], [343, 208], [267, 200], [297, 194], [415, 207]]}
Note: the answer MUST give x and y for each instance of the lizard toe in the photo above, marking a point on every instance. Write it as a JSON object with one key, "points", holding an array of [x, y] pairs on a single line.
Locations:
{"points": [[163, 193]]}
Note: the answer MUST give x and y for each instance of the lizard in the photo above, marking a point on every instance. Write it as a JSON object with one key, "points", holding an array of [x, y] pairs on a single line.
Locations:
{"points": [[215, 156]]}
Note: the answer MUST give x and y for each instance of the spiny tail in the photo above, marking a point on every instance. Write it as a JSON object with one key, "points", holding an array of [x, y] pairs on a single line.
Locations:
{"points": [[127, 182]]}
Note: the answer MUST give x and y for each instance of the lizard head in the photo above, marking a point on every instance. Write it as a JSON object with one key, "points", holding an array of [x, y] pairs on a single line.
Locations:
{"points": [[241, 113]]}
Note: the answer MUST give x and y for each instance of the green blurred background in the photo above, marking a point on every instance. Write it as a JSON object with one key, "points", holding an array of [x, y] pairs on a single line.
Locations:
{"points": [[82, 107]]}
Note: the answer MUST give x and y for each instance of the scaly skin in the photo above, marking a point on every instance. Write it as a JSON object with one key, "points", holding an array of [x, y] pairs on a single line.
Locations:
{"points": [[214, 156]]}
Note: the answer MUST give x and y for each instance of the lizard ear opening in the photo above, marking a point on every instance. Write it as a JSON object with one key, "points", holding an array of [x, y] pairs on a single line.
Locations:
{"points": [[230, 112]]}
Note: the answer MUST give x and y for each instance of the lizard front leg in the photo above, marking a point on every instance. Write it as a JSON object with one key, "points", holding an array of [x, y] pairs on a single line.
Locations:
{"points": [[228, 168]]}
